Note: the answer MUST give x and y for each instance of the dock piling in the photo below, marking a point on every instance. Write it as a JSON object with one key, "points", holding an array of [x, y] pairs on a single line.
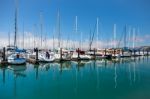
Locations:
{"points": [[60, 54], [122, 52], [4, 55], [114, 52], [78, 54], [105, 52], [36, 54], [134, 52], [94, 53]]}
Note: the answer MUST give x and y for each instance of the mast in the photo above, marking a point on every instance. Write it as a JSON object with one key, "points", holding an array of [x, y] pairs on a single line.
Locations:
{"points": [[9, 38], [92, 36], [54, 39], [35, 36], [58, 23], [16, 27], [97, 30], [125, 36], [81, 47], [41, 27], [114, 35], [53, 43], [23, 36], [76, 26], [46, 41], [129, 39], [133, 38]]}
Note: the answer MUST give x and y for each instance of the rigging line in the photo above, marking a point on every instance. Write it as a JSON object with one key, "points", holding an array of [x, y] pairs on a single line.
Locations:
{"points": [[92, 36]]}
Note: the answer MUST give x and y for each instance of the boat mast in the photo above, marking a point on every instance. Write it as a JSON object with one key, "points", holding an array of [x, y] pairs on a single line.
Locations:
{"points": [[53, 43], [81, 47], [129, 38], [114, 36], [41, 26], [125, 36], [16, 27], [9, 38], [23, 36], [133, 38], [58, 23], [76, 25], [35, 36], [97, 30], [54, 39], [45, 40]]}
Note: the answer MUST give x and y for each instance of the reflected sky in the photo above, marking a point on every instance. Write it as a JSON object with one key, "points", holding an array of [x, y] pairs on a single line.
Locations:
{"points": [[115, 79]]}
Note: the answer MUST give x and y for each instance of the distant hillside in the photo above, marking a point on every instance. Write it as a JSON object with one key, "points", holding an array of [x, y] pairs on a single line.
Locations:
{"points": [[144, 48]]}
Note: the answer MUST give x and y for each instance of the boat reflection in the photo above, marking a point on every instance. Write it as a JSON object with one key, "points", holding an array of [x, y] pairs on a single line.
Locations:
{"points": [[3, 73], [18, 68], [18, 71]]}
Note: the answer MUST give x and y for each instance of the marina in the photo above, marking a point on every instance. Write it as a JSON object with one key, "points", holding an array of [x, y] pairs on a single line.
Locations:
{"points": [[59, 49], [65, 55]]}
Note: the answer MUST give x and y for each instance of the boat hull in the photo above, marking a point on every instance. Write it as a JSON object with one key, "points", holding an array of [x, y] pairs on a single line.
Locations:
{"points": [[17, 61]]}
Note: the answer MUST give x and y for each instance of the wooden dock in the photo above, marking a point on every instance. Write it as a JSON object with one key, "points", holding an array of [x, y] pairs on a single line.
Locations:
{"points": [[32, 61]]}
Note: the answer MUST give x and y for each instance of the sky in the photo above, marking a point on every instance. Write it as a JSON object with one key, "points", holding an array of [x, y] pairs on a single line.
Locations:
{"points": [[131, 13]]}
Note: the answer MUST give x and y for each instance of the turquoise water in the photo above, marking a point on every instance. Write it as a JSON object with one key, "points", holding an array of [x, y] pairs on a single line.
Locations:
{"points": [[102, 79]]}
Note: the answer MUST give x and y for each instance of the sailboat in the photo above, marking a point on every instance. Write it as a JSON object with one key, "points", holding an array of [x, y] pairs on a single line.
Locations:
{"points": [[43, 55], [46, 57], [17, 56], [82, 55]]}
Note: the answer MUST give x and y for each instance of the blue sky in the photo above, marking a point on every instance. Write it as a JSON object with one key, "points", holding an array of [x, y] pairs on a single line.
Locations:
{"points": [[133, 13]]}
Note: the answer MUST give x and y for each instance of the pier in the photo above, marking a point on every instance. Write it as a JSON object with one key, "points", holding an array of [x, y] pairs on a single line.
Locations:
{"points": [[81, 55]]}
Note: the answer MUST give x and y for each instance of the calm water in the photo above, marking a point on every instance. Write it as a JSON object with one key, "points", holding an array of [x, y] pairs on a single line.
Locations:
{"points": [[101, 79]]}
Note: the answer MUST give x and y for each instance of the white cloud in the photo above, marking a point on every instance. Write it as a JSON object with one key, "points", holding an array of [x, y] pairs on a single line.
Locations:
{"points": [[30, 42]]}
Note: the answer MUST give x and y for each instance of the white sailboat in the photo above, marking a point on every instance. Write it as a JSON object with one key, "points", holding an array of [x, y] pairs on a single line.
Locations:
{"points": [[81, 56], [46, 57], [16, 58]]}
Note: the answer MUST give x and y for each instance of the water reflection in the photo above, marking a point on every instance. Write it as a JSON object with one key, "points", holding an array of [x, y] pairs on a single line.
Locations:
{"points": [[97, 74], [63, 66], [36, 67], [3, 74], [115, 75], [18, 71], [94, 76], [130, 74]]}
